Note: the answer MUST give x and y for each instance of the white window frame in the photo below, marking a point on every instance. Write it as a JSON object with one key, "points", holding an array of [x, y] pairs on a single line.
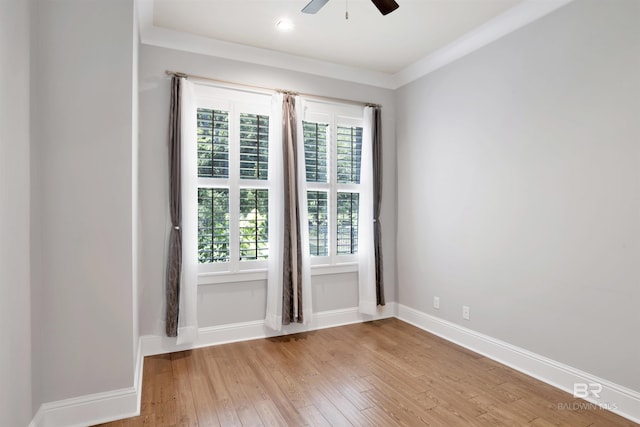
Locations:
{"points": [[333, 115], [236, 102]]}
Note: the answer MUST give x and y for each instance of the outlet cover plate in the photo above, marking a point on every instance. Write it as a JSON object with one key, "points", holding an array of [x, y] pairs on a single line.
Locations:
{"points": [[465, 312]]}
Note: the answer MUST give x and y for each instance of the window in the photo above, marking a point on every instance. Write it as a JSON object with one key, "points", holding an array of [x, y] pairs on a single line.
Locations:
{"points": [[233, 180], [234, 154], [333, 149]]}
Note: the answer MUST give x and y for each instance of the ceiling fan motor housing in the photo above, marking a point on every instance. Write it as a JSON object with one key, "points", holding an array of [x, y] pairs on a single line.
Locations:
{"points": [[384, 6]]}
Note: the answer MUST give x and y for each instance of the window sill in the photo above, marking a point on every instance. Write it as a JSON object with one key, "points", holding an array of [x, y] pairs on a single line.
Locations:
{"points": [[260, 275], [321, 270], [226, 277]]}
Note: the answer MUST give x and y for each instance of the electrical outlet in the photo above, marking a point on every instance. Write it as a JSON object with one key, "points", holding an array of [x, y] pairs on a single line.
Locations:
{"points": [[436, 302], [465, 312]]}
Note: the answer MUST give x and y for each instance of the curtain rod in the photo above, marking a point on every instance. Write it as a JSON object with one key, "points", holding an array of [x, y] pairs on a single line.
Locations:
{"points": [[264, 88]]}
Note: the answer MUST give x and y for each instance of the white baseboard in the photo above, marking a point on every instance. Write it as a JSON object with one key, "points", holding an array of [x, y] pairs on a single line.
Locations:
{"points": [[88, 410], [95, 408], [123, 403], [224, 334], [616, 398], [117, 404]]}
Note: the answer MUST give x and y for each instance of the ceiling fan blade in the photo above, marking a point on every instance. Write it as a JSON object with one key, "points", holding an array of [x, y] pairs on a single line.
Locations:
{"points": [[386, 6], [314, 6]]}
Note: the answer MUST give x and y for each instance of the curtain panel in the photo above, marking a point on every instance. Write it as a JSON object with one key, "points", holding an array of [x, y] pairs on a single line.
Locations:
{"points": [[376, 141], [370, 270], [273, 318], [367, 300], [182, 258], [174, 257], [289, 277], [292, 255]]}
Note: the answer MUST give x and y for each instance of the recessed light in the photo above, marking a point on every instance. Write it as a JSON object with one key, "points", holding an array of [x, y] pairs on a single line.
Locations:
{"points": [[284, 25]]}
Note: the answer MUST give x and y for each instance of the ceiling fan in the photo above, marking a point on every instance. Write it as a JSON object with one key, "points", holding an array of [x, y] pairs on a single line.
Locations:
{"points": [[384, 6]]}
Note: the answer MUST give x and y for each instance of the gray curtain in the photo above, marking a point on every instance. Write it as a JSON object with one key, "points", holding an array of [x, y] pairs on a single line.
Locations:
{"points": [[377, 203], [174, 261], [292, 256]]}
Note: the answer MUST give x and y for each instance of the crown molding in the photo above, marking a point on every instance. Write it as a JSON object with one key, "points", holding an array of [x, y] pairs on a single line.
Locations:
{"points": [[503, 24], [163, 37]]}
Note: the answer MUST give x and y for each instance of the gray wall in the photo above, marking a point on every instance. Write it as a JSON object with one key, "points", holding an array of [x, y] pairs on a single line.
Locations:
{"points": [[82, 194], [236, 302], [15, 350], [519, 183]]}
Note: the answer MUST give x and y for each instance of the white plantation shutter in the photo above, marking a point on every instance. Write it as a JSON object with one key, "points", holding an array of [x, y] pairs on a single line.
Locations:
{"points": [[254, 146]]}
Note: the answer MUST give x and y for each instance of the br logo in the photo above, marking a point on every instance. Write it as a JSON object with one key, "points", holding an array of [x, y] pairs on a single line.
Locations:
{"points": [[584, 390]]}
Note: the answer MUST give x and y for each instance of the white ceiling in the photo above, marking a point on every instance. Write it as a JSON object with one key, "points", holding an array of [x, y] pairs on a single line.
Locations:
{"points": [[368, 47]]}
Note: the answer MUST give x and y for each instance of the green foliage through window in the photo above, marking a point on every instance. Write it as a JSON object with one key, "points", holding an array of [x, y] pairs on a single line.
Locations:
{"points": [[315, 151], [213, 225], [348, 223], [349, 151], [213, 143], [254, 146], [318, 223], [254, 225]]}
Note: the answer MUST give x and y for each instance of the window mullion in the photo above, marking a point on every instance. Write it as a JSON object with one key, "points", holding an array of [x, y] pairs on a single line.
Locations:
{"points": [[348, 188], [332, 202], [318, 186], [213, 182], [254, 183], [234, 190]]}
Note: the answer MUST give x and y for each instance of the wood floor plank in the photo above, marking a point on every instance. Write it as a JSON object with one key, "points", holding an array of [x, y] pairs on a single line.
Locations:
{"points": [[147, 404], [393, 388], [328, 384], [288, 412], [252, 387], [313, 417], [165, 398], [378, 416], [405, 411], [328, 409], [541, 422], [380, 373], [269, 413], [185, 408], [207, 411], [241, 403]]}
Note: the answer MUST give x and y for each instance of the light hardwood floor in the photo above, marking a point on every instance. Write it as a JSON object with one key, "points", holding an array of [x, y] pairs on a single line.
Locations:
{"points": [[381, 373]]}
